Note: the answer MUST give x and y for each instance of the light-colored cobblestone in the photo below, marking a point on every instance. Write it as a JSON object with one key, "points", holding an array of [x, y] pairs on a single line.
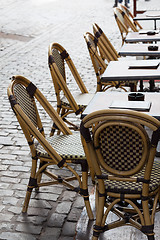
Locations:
{"points": [[27, 28]]}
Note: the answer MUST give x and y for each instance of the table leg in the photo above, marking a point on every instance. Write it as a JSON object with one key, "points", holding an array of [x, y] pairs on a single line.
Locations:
{"points": [[155, 27], [141, 85], [152, 85]]}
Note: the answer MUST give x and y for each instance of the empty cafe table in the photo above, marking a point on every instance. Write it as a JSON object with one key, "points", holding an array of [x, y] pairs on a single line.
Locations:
{"points": [[108, 100], [134, 49], [149, 15], [143, 36], [133, 70]]}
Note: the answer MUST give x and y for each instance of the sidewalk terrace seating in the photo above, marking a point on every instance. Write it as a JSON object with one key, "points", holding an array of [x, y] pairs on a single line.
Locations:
{"points": [[63, 151], [126, 174], [112, 53], [67, 102]]}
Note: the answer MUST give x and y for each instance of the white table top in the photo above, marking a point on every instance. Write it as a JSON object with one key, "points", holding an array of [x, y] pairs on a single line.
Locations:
{"points": [[148, 15], [103, 100], [120, 70], [140, 49], [133, 37]]}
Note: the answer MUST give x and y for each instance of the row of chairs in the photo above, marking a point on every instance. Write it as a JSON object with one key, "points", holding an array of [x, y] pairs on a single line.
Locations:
{"points": [[125, 21], [101, 52], [119, 178], [114, 147]]}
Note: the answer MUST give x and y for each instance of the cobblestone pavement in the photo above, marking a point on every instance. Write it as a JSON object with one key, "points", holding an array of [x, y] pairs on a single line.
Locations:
{"points": [[26, 30]]}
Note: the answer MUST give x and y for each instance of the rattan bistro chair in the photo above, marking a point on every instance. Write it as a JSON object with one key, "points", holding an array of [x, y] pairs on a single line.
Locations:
{"points": [[131, 17], [100, 57], [127, 175], [99, 34], [63, 150], [113, 54], [67, 102], [124, 23]]}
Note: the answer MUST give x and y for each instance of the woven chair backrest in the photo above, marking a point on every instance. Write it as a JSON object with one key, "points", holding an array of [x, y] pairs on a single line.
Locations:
{"points": [[59, 61], [95, 53], [120, 21], [121, 147], [112, 53], [26, 102]]}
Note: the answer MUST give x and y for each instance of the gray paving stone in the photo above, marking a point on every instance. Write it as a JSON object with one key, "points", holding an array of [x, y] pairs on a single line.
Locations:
{"points": [[36, 220], [69, 229], [7, 192], [6, 216], [16, 236], [10, 201], [28, 228], [50, 234], [74, 214], [47, 196], [15, 210], [68, 196], [56, 220], [63, 207], [26, 54]]}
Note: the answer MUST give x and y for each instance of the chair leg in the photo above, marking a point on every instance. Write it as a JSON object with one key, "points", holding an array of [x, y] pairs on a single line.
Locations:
{"points": [[26, 202], [84, 189], [32, 183], [151, 237]]}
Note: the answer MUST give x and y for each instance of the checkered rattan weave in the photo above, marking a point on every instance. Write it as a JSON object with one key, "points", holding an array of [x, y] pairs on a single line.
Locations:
{"points": [[26, 103], [121, 147], [67, 146], [132, 187], [93, 45], [65, 103], [59, 61]]}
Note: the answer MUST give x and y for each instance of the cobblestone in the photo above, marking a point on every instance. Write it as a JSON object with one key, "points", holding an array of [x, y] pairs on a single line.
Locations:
{"points": [[27, 28]]}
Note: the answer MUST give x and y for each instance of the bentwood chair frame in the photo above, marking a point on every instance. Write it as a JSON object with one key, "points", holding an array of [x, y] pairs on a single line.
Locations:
{"points": [[130, 15], [98, 54], [68, 103], [124, 23], [62, 151], [99, 34], [113, 56], [126, 173]]}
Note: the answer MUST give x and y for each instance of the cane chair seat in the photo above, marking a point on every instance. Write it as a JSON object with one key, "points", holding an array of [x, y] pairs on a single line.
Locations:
{"points": [[62, 151], [63, 71], [81, 99], [67, 146], [134, 188], [122, 148]]}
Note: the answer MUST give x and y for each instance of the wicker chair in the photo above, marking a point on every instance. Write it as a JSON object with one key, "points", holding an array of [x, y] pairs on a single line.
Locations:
{"points": [[126, 173], [113, 54], [100, 57], [67, 103], [63, 150], [131, 17], [124, 23], [99, 34]]}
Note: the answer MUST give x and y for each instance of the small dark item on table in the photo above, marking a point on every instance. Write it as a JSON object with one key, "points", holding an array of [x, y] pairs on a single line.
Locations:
{"points": [[135, 97], [151, 33], [152, 48]]}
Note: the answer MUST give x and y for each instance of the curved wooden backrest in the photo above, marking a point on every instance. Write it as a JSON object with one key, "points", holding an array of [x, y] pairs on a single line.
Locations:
{"points": [[120, 143], [130, 15], [22, 94], [99, 34], [58, 56]]}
